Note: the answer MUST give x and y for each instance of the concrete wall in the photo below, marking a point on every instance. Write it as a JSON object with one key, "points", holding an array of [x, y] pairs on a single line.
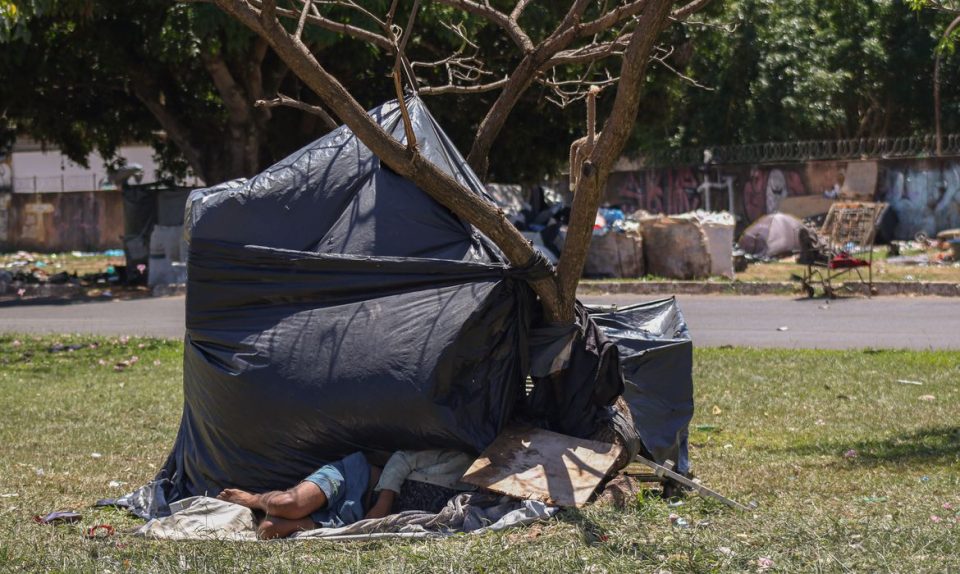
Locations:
{"points": [[52, 222], [925, 194]]}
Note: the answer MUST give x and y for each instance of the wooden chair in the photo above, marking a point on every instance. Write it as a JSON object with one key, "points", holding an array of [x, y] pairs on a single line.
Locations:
{"points": [[842, 246]]}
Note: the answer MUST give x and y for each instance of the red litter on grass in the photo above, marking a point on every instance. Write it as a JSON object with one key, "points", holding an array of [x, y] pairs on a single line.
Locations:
{"points": [[100, 531]]}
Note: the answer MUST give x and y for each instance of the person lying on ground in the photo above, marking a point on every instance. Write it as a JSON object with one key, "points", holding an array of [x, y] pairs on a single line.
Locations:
{"points": [[421, 480], [339, 493]]}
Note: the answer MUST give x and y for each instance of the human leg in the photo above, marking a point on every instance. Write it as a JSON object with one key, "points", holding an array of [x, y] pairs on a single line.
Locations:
{"points": [[276, 527], [292, 504]]}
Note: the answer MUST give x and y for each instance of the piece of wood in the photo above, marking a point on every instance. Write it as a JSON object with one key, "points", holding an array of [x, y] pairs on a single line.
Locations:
{"points": [[801, 206], [702, 490], [860, 180], [537, 464]]}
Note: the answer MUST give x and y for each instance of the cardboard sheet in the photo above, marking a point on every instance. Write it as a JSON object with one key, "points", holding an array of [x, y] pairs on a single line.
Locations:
{"points": [[542, 465]]}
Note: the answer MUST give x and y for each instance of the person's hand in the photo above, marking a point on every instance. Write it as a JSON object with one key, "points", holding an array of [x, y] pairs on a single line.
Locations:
{"points": [[383, 504]]}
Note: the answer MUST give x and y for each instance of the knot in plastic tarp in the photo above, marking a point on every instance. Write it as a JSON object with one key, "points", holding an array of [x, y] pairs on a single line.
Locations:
{"points": [[537, 267]]}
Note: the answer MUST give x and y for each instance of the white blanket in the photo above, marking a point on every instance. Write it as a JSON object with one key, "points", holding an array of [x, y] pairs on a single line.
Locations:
{"points": [[205, 518]]}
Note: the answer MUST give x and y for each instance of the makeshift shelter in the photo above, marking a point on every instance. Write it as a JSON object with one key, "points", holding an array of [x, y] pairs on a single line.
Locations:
{"points": [[332, 306], [773, 235]]}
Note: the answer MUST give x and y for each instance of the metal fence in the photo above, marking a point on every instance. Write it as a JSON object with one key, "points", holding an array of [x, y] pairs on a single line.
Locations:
{"points": [[798, 151], [53, 184]]}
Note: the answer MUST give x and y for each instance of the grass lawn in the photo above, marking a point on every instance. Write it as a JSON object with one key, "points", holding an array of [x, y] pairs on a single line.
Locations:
{"points": [[882, 271], [850, 470]]}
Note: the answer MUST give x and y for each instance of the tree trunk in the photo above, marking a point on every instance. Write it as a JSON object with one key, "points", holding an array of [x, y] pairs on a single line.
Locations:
{"points": [[596, 168]]}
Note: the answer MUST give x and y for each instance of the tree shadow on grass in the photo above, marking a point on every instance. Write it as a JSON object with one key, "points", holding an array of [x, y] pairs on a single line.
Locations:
{"points": [[926, 445]]}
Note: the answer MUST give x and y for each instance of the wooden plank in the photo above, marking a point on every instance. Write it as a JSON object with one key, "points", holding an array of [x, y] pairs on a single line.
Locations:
{"points": [[860, 180], [801, 206], [541, 465]]}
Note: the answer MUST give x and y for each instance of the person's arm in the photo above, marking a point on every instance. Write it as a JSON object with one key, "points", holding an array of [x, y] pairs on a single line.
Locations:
{"points": [[397, 469], [383, 504], [388, 486]]}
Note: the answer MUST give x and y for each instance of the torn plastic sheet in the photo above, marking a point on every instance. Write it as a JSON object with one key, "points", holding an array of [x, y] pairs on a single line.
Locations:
{"points": [[656, 356]]}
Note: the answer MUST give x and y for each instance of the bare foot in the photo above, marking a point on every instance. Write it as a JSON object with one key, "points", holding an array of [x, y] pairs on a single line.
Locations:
{"points": [[241, 497]]}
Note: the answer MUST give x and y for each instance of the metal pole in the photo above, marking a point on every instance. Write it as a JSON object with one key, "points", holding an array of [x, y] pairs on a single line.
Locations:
{"points": [[706, 190], [730, 194]]}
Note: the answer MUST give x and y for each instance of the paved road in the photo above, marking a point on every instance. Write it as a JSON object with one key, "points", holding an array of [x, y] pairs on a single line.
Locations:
{"points": [[880, 322], [714, 320]]}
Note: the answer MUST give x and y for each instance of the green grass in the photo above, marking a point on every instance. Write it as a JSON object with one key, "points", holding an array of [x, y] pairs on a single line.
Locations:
{"points": [[771, 427]]}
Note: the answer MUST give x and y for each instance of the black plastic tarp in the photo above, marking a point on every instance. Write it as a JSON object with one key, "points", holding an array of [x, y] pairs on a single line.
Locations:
{"points": [[332, 306], [656, 357]]}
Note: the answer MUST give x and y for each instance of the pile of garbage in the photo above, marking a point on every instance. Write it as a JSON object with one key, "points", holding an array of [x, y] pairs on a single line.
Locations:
{"points": [[694, 245], [616, 249], [24, 274], [923, 250]]}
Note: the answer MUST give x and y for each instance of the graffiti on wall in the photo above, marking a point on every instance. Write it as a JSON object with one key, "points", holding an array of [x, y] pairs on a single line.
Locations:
{"points": [[659, 191], [925, 198], [924, 194], [764, 189], [678, 190]]}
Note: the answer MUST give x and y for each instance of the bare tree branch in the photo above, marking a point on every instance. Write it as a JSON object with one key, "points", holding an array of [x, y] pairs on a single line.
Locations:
{"points": [[461, 89], [662, 60], [588, 53], [518, 9], [464, 70], [353, 5], [528, 69], [573, 15], [612, 18], [303, 17], [567, 92], [687, 9], [340, 27], [508, 24], [286, 101], [629, 30], [401, 101]]}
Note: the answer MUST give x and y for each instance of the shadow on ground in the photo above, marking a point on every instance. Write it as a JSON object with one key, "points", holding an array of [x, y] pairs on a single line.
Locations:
{"points": [[925, 445]]}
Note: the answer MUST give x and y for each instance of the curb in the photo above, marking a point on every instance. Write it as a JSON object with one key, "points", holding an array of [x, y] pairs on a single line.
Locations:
{"points": [[914, 288]]}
